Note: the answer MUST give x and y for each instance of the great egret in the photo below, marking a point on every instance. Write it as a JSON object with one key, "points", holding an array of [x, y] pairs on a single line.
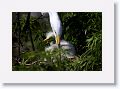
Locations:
{"points": [[56, 26], [56, 33]]}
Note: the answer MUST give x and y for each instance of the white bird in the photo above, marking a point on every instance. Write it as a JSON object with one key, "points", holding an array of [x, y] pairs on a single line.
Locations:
{"points": [[56, 33], [68, 47], [55, 25]]}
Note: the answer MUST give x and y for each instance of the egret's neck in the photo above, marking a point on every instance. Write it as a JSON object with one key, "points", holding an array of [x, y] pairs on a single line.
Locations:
{"points": [[55, 14]]}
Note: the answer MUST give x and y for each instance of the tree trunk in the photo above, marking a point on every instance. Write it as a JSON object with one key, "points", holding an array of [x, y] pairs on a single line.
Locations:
{"points": [[30, 32], [19, 31]]}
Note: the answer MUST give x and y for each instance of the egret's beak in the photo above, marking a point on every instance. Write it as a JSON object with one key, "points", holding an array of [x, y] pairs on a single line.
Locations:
{"points": [[57, 39]]}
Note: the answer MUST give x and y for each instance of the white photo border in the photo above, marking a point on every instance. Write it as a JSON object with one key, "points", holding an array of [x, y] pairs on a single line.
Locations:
{"points": [[104, 76]]}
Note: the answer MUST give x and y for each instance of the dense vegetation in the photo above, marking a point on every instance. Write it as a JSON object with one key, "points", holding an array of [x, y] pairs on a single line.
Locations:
{"points": [[83, 30]]}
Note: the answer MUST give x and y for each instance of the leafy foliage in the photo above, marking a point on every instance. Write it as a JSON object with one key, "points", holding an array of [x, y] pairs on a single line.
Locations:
{"points": [[82, 29]]}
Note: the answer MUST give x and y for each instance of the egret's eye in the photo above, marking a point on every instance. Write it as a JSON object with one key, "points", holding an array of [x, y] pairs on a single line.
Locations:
{"points": [[55, 32]]}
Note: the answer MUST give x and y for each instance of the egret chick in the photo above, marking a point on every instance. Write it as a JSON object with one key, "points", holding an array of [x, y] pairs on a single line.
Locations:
{"points": [[68, 47]]}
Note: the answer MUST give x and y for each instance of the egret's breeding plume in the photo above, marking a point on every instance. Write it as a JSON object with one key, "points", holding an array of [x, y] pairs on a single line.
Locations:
{"points": [[56, 33]]}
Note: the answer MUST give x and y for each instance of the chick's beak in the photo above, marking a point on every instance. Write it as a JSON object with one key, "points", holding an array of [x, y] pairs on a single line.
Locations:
{"points": [[57, 39], [45, 39]]}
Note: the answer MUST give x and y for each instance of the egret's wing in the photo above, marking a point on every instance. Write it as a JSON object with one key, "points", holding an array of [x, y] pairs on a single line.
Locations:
{"points": [[51, 47], [67, 46], [63, 42]]}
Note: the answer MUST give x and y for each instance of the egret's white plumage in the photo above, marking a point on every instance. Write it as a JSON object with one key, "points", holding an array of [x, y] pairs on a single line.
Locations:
{"points": [[55, 23], [57, 31]]}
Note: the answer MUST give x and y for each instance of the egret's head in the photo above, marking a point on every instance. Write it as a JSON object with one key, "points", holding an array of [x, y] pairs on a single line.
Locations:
{"points": [[49, 35], [56, 36]]}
